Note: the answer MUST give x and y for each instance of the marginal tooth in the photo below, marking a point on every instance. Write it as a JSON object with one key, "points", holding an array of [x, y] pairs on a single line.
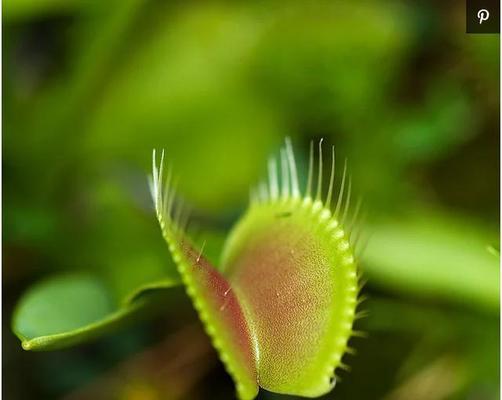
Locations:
{"points": [[338, 234], [336, 357], [325, 214], [211, 331], [344, 366], [319, 176], [317, 206], [361, 314], [191, 291], [295, 191], [332, 225], [343, 245]]}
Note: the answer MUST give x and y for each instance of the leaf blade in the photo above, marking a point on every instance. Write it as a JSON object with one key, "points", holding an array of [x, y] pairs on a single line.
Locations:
{"points": [[67, 310], [430, 254]]}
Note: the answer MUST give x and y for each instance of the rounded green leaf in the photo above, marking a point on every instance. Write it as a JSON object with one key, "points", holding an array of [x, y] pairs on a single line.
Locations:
{"points": [[66, 310]]}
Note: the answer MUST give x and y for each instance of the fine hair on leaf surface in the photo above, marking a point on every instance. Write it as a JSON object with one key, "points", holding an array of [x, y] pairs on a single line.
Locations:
{"points": [[281, 306]]}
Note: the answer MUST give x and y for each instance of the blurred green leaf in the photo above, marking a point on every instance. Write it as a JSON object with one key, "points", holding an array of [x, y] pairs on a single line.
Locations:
{"points": [[494, 251], [183, 88], [445, 121], [433, 255], [67, 310], [309, 66], [124, 242], [24, 9]]}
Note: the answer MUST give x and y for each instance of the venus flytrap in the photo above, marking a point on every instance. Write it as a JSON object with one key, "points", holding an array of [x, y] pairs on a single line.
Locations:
{"points": [[281, 307]]}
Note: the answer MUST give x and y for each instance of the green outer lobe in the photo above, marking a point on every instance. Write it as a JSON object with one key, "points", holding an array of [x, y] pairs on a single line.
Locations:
{"points": [[220, 312], [293, 271]]}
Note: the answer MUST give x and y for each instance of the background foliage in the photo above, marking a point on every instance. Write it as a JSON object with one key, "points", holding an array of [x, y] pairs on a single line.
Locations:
{"points": [[91, 87]]}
